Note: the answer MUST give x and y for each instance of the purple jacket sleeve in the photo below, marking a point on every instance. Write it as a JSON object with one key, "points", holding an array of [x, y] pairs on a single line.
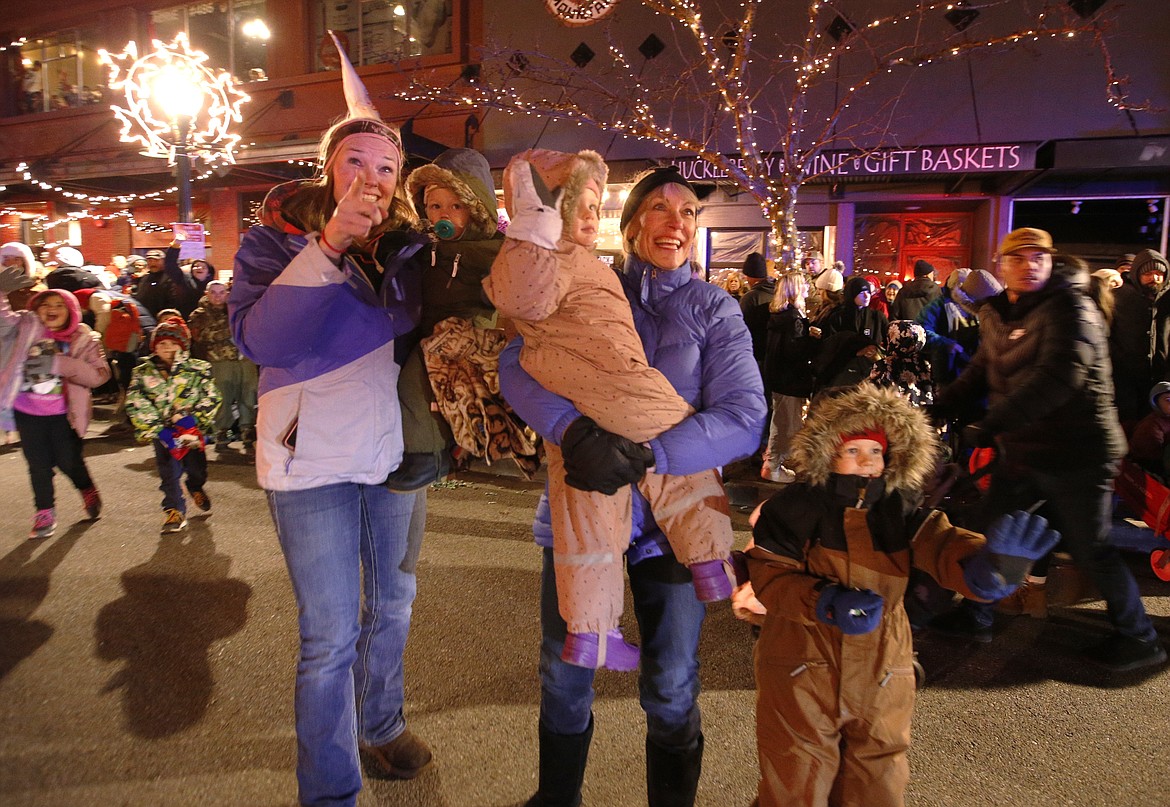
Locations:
{"points": [[729, 420]]}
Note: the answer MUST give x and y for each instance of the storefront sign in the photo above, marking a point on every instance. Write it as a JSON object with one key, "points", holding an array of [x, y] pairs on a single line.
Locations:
{"points": [[892, 161], [580, 12]]}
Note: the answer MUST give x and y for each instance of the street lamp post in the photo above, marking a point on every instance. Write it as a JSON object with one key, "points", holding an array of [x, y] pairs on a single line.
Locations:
{"points": [[180, 97], [176, 108], [183, 168]]}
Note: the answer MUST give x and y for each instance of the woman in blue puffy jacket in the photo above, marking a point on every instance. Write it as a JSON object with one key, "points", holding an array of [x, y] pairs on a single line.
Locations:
{"points": [[695, 335]]}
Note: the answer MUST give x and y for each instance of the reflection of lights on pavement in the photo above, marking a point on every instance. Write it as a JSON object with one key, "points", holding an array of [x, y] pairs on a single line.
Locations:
{"points": [[168, 86]]}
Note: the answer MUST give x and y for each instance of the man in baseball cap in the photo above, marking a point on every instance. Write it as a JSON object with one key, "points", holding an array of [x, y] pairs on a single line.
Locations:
{"points": [[1025, 260], [1043, 367]]}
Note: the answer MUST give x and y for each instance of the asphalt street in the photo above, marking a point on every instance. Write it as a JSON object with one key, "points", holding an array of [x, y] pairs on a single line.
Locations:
{"points": [[139, 669]]}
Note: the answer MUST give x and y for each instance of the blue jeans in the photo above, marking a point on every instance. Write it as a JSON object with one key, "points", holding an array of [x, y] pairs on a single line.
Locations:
{"points": [[1079, 504], [171, 470], [670, 620], [351, 552]]}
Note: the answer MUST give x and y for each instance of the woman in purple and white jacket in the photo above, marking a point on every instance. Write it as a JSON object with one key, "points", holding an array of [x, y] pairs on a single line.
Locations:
{"points": [[324, 296]]}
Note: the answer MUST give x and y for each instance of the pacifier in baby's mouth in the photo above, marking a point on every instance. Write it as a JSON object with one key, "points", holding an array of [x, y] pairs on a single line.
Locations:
{"points": [[444, 229]]}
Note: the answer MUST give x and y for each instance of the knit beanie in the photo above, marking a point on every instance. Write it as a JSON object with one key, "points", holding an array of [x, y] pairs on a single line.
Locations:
{"points": [[875, 434], [1124, 262], [1161, 388], [174, 329], [1112, 277], [829, 280], [68, 256], [1148, 260], [980, 285], [922, 268], [755, 266], [956, 278]]}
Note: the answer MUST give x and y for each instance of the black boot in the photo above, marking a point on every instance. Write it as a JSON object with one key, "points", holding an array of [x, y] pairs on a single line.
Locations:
{"points": [[562, 768], [672, 777]]}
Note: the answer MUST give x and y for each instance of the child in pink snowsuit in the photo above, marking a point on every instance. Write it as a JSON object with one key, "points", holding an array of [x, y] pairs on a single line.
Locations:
{"points": [[580, 343]]}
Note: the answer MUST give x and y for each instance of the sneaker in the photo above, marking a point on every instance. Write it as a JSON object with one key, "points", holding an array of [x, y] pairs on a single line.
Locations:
{"points": [[581, 650], [44, 524], [712, 579], [961, 623], [1120, 653], [1030, 599], [93, 502], [404, 757], [174, 521], [201, 499], [221, 440], [778, 474]]}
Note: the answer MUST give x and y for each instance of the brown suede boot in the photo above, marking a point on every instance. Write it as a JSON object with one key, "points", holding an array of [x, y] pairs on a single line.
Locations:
{"points": [[1030, 599], [404, 757]]}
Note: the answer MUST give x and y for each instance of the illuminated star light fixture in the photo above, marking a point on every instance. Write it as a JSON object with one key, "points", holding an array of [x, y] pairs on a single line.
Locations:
{"points": [[168, 85]]}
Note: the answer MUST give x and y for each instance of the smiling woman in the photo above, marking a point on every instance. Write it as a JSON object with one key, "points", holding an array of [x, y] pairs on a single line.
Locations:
{"points": [[324, 296], [662, 324]]}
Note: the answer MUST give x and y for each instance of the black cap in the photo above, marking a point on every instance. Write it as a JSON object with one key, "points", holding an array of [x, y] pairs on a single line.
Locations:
{"points": [[666, 175], [754, 266]]}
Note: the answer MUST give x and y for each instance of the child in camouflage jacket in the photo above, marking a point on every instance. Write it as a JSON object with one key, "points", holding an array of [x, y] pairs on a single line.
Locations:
{"points": [[172, 402]]}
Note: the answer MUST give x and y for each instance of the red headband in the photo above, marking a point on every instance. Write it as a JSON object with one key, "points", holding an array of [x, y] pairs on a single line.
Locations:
{"points": [[877, 435]]}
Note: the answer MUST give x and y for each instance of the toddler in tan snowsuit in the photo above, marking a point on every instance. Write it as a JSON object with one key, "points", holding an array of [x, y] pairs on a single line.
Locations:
{"points": [[580, 343]]}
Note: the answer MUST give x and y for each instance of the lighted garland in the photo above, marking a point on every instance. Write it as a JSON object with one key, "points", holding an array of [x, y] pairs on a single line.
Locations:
{"points": [[210, 137], [125, 198]]}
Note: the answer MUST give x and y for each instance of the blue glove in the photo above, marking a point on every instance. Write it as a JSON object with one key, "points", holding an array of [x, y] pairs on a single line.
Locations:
{"points": [[852, 610], [984, 579], [166, 436], [1014, 542], [1018, 539]]}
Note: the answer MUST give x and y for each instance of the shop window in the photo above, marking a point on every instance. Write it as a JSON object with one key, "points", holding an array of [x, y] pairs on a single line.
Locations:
{"points": [[381, 31], [1098, 230], [729, 248], [888, 244], [251, 204]]}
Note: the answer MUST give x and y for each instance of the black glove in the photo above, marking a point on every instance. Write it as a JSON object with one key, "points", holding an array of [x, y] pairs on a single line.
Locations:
{"points": [[600, 461], [978, 437]]}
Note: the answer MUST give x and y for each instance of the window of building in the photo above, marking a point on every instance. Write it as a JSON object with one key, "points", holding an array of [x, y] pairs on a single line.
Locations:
{"points": [[61, 71], [381, 31], [234, 34], [887, 245], [1098, 230]]}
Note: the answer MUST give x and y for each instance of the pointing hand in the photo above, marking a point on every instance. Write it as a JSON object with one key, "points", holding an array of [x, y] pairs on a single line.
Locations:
{"points": [[353, 218]]}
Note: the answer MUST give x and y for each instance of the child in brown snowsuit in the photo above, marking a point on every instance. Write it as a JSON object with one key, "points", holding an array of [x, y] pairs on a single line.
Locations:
{"points": [[580, 343], [832, 556]]}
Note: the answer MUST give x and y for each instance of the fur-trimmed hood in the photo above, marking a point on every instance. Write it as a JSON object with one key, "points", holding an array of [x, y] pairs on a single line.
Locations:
{"points": [[913, 444], [466, 173], [558, 169]]}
